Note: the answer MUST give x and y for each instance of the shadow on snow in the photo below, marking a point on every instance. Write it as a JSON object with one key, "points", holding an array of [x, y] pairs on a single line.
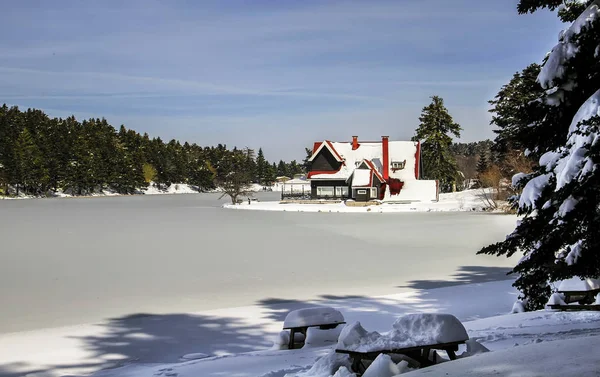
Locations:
{"points": [[157, 338]]}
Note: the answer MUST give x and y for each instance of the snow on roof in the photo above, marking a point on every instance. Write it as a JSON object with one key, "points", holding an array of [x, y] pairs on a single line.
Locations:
{"points": [[578, 284], [371, 151], [361, 177], [411, 330], [312, 317]]}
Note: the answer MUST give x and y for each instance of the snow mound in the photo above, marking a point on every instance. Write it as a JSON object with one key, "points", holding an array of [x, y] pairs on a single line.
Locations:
{"points": [[282, 341], [344, 372], [597, 302], [316, 337], [194, 356], [312, 317], [518, 307], [408, 331], [474, 348], [556, 299], [354, 334], [326, 366], [382, 366], [579, 284], [175, 188]]}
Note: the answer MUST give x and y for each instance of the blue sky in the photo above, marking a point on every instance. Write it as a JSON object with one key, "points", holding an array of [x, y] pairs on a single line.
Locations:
{"points": [[277, 74]]}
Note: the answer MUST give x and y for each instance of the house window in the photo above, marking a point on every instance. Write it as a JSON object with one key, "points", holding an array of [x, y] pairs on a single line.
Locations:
{"points": [[341, 191], [325, 191], [361, 192], [373, 192], [398, 165]]}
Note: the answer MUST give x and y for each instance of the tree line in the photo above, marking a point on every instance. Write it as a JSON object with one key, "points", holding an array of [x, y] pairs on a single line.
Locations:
{"points": [[40, 154]]}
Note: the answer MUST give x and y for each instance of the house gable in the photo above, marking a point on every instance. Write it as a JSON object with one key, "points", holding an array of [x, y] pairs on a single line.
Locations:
{"points": [[325, 159]]}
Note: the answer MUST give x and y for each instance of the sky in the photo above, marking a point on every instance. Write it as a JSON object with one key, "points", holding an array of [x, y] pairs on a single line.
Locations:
{"points": [[272, 74]]}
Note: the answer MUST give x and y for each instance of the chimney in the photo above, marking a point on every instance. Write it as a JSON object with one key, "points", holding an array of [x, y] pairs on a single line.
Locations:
{"points": [[418, 161], [386, 157], [354, 143]]}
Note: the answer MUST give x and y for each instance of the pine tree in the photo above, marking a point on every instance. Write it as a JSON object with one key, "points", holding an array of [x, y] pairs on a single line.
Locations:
{"points": [[305, 162], [30, 169], [435, 131], [482, 162], [282, 169], [261, 167], [560, 201], [518, 116]]}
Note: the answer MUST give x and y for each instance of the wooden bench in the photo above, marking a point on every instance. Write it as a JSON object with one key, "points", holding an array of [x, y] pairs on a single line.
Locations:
{"points": [[419, 354], [304, 331]]}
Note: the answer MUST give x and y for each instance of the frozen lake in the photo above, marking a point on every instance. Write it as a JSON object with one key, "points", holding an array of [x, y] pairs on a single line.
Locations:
{"points": [[72, 261]]}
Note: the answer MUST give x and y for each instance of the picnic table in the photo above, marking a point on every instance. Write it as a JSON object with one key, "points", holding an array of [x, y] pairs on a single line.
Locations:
{"points": [[581, 291], [412, 338], [419, 354], [298, 322]]}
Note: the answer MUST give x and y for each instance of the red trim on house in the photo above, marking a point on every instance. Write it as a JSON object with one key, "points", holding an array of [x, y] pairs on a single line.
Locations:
{"points": [[417, 160], [386, 157], [334, 151], [316, 172], [316, 146], [374, 169]]}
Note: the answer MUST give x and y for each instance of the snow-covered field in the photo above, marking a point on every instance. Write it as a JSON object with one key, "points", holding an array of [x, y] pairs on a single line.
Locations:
{"points": [[142, 281], [468, 200], [236, 341]]}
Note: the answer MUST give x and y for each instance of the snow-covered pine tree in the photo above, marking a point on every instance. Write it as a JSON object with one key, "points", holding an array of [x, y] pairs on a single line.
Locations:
{"points": [[560, 201]]}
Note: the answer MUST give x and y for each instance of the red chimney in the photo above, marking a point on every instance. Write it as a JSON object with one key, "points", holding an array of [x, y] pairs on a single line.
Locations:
{"points": [[386, 157], [354, 143], [418, 160]]}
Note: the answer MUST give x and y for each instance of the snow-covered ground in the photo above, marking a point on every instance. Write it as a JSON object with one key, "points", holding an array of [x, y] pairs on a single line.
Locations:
{"points": [[468, 200], [176, 188], [237, 340]]}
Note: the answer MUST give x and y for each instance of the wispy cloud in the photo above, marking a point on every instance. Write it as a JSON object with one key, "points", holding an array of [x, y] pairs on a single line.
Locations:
{"points": [[275, 73]]}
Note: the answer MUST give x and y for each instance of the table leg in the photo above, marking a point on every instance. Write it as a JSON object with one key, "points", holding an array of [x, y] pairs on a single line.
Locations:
{"points": [[451, 354], [291, 344]]}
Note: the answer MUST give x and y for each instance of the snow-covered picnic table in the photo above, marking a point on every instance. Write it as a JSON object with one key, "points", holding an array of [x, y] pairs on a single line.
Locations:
{"points": [[582, 291], [413, 336], [298, 321]]}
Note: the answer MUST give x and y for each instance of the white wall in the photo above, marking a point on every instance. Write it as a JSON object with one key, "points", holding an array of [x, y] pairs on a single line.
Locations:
{"points": [[416, 191]]}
